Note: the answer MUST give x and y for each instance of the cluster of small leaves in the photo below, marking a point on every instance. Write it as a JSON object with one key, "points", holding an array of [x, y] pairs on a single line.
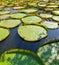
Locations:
{"points": [[9, 2]]}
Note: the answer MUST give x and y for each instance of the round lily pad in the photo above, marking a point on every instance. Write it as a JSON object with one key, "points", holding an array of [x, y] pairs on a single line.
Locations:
{"points": [[55, 12], [52, 6], [3, 33], [49, 53], [20, 57], [4, 16], [48, 9], [32, 3], [32, 32], [9, 5], [1, 7], [31, 20], [18, 7], [10, 23], [50, 25], [51, 3], [4, 12], [29, 10], [46, 15], [56, 18], [18, 15], [42, 4]]}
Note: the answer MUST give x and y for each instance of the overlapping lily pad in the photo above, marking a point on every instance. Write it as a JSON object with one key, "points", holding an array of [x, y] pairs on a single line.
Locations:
{"points": [[31, 20], [50, 25], [42, 4], [48, 9], [20, 57], [1, 7], [32, 3], [18, 15], [56, 18], [55, 12], [18, 7], [49, 53], [29, 10], [4, 17], [52, 5], [4, 12], [46, 15], [32, 32], [3, 33], [10, 23]]}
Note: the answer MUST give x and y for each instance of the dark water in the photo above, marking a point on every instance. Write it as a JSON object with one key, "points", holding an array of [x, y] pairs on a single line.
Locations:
{"points": [[14, 41]]}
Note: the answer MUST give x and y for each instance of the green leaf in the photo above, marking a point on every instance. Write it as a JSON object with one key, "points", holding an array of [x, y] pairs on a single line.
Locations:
{"points": [[49, 53]]}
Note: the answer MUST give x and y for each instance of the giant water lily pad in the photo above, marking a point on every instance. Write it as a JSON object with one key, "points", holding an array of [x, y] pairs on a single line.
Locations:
{"points": [[31, 20], [3, 33], [4, 16], [1, 7], [49, 53], [46, 15], [55, 12], [52, 5], [32, 3], [20, 57], [50, 25], [32, 32], [18, 7], [29, 10], [42, 4], [56, 18], [18, 15], [4, 12], [10, 23], [48, 9]]}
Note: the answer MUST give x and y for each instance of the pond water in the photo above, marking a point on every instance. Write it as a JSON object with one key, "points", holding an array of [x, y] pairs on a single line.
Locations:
{"points": [[14, 41]]}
